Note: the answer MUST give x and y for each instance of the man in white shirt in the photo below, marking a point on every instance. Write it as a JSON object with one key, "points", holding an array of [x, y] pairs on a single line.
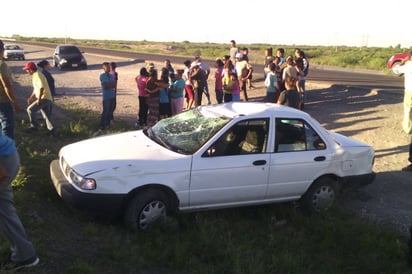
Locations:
{"points": [[406, 68]]}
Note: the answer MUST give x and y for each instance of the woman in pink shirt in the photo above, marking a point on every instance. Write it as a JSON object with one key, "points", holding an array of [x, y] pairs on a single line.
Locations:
{"points": [[141, 81]]}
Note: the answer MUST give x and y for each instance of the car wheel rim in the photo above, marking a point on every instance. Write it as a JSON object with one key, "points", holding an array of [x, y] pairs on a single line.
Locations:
{"points": [[151, 213], [323, 198]]}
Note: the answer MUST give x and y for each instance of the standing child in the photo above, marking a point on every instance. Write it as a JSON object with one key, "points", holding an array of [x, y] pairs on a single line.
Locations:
{"points": [[176, 93], [218, 80], [271, 84], [189, 93], [164, 100], [290, 96], [245, 52], [227, 85], [235, 87]]}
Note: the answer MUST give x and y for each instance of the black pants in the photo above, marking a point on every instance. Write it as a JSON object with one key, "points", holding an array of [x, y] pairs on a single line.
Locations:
{"points": [[143, 109]]}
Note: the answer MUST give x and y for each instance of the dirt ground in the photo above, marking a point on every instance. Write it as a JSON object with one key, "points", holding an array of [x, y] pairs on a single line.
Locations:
{"points": [[371, 116]]}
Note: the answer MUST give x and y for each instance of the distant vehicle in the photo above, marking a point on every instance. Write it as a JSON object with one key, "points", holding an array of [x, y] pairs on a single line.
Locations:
{"points": [[69, 56], [215, 156], [395, 60], [13, 51]]}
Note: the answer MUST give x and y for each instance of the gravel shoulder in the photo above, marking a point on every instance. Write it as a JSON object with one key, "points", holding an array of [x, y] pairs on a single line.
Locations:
{"points": [[371, 116]]}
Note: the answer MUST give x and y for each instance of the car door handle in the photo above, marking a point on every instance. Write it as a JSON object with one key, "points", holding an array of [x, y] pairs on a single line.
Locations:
{"points": [[259, 163], [320, 158]]}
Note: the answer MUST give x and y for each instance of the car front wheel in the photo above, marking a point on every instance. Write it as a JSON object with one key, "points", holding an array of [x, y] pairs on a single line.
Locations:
{"points": [[320, 196], [145, 208]]}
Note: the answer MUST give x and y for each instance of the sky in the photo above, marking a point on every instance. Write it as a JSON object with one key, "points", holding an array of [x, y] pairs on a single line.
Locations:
{"points": [[298, 22]]}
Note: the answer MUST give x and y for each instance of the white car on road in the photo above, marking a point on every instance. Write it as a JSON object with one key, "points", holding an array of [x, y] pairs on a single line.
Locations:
{"points": [[13, 51], [215, 156]]}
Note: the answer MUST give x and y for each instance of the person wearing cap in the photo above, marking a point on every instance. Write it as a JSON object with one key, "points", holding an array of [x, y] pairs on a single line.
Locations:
{"points": [[244, 70], [40, 99], [206, 68], [8, 101], [198, 77]]}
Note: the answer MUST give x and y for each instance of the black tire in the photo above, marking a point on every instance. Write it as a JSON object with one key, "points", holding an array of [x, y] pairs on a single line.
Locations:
{"points": [[320, 196], [145, 208]]}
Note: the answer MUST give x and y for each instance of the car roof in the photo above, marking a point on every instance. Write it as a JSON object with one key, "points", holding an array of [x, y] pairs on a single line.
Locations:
{"points": [[11, 45], [235, 109], [67, 46]]}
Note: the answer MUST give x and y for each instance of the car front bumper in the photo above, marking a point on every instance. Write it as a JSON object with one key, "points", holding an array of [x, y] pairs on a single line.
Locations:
{"points": [[96, 204], [14, 56]]}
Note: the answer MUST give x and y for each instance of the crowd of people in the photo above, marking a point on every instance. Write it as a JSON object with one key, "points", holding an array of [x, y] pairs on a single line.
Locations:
{"points": [[285, 77], [169, 91]]}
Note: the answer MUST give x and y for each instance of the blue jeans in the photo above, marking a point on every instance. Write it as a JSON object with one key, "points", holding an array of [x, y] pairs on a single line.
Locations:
{"points": [[10, 224], [7, 118], [45, 107], [107, 114]]}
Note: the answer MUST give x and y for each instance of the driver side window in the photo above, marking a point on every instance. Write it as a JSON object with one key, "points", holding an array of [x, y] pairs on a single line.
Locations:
{"points": [[246, 137]]}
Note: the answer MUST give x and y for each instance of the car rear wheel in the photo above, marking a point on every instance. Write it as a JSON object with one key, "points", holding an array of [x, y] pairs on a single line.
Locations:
{"points": [[145, 208], [320, 196]]}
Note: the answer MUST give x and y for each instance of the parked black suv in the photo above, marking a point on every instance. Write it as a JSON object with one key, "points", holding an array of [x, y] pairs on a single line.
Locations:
{"points": [[69, 56]]}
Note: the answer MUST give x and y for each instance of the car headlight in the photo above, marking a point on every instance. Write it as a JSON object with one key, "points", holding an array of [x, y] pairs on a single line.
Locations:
{"points": [[77, 179], [82, 182], [63, 61]]}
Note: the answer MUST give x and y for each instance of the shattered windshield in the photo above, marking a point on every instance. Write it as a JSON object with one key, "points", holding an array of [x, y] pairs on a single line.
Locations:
{"points": [[188, 131]]}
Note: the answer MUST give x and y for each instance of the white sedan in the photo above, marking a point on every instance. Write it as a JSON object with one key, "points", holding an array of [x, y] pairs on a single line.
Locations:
{"points": [[211, 157]]}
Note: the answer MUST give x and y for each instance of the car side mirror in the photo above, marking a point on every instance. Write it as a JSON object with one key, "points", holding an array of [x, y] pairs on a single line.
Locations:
{"points": [[210, 152]]}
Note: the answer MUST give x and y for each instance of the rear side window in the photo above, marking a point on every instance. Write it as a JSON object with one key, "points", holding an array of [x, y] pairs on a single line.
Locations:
{"points": [[296, 135]]}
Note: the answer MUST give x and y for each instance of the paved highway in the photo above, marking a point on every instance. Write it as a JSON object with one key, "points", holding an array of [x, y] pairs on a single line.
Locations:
{"points": [[334, 76]]}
